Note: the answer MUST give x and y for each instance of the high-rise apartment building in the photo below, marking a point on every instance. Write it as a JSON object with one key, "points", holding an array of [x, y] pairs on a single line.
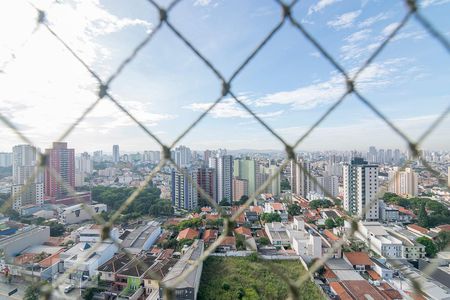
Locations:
{"points": [[246, 169], [397, 156], [27, 186], [84, 164], [360, 189], [381, 156], [206, 179], [116, 154], [184, 193], [60, 163], [389, 157], [300, 181], [240, 188], [182, 156], [330, 185], [372, 155], [274, 187], [403, 183], [225, 178], [5, 159], [206, 155]]}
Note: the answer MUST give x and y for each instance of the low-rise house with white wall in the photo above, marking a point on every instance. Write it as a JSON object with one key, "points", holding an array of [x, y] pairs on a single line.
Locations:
{"points": [[304, 243], [379, 240]]}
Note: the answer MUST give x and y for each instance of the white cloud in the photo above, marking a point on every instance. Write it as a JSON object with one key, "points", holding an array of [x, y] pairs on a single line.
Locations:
{"points": [[229, 108], [374, 19], [49, 87], [369, 131], [345, 20], [320, 5], [426, 3], [308, 97], [202, 2], [358, 36], [389, 28]]}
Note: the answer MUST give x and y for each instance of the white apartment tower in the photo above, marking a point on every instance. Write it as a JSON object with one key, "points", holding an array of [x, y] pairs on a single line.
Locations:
{"points": [[300, 181], [26, 189], [225, 178], [403, 183], [182, 156], [360, 189]]}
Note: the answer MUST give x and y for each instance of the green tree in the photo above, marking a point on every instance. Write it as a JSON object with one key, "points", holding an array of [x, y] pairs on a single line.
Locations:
{"points": [[190, 223], [323, 203], [442, 240], [422, 218], [430, 247], [294, 209], [271, 217], [224, 202], [329, 223], [285, 184], [56, 229], [264, 241], [240, 242], [33, 291], [12, 214], [339, 222], [243, 199]]}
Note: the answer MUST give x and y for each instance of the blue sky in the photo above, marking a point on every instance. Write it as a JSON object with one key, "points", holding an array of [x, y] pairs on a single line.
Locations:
{"points": [[288, 83]]}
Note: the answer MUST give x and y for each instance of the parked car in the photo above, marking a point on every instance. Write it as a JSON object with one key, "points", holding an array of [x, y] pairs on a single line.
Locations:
{"points": [[69, 288]]}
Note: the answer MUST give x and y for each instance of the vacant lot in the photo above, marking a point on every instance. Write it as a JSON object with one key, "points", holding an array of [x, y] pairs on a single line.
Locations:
{"points": [[247, 278]]}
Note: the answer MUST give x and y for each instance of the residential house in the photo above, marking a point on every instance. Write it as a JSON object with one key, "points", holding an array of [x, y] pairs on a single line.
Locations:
{"points": [[188, 233], [276, 207], [228, 244], [107, 271], [360, 261], [276, 232]]}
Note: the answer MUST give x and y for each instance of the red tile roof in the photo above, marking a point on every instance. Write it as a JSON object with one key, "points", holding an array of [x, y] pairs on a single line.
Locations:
{"points": [[361, 289], [330, 235], [445, 227], [392, 294], [243, 230], [229, 240], [209, 235], [51, 260], [329, 274], [212, 217], [417, 228], [206, 209], [257, 209], [405, 211], [277, 206], [240, 219], [358, 258], [374, 275], [340, 291], [187, 233]]}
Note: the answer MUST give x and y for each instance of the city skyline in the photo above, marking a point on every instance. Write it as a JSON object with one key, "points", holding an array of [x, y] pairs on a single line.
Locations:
{"points": [[167, 87]]}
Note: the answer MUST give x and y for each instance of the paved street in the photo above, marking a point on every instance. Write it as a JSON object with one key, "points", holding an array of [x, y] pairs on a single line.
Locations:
{"points": [[5, 288]]}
